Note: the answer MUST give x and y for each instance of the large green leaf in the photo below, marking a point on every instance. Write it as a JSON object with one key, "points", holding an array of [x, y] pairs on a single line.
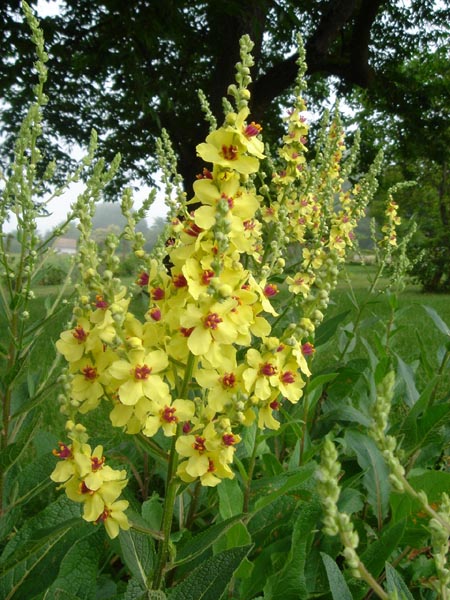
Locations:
{"points": [[378, 552], [395, 583], [376, 472], [290, 582], [30, 559], [11, 454], [433, 483], [338, 585], [231, 498], [407, 375], [138, 553], [437, 320], [327, 329], [211, 579], [31, 480], [204, 540], [78, 571], [282, 484]]}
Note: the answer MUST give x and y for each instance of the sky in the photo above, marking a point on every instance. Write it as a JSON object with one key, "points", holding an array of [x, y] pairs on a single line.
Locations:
{"points": [[59, 207]]}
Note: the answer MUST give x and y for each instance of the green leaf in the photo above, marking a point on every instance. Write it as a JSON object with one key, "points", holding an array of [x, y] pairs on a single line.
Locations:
{"points": [[231, 498], [34, 478], [152, 512], [327, 329], [204, 540], [320, 380], [236, 536], [407, 374], [210, 580], [395, 583], [78, 571], [11, 454], [376, 472], [137, 553], [375, 556], [289, 583], [338, 585], [286, 483], [30, 559], [135, 590], [440, 324], [433, 483]]}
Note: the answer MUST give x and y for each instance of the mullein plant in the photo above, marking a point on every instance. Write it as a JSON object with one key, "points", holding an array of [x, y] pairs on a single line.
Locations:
{"points": [[339, 523], [213, 352]]}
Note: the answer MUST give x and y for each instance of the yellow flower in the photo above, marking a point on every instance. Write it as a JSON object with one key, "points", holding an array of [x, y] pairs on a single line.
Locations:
{"points": [[208, 456], [114, 518], [209, 323], [225, 149], [137, 377], [223, 386], [168, 416], [132, 417], [78, 341]]}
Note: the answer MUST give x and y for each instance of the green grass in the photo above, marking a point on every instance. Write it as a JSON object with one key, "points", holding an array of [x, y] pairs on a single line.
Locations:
{"points": [[412, 330]]}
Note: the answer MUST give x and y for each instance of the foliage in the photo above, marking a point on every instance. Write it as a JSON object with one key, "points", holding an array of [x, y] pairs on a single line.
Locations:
{"points": [[407, 117], [296, 453], [150, 50]]}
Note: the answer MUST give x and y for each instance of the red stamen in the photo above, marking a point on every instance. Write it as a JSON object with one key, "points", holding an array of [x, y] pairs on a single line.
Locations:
{"points": [[199, 444], [179, 280], [228, 439], [79, 334], [211, 321], [287, 377], [229, 152], [157, 293], [97, 463], [64, 452], [90, 373], [142, 372], [228, 380], [168, 414], [267, 369]]}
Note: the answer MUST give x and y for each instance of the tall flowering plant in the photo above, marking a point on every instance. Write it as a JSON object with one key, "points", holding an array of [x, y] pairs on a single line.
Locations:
{"points": [[227, 335]]}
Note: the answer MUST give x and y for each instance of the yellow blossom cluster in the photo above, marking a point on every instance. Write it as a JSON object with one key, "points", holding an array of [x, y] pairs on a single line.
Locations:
{"points": [[83, 474], [389, 229], [207, 357]]}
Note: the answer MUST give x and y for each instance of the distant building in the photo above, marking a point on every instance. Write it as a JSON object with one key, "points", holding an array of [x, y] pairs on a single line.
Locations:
{"points": [[65, 246]]}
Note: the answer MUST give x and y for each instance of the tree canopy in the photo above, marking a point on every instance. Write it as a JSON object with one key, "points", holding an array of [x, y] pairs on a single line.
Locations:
{"points": [[131, 69]]}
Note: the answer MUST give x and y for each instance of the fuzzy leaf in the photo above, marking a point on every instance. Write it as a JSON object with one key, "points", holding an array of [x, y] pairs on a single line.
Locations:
{"points": [[395, 583], [376, 473], [290, 582], [338, 585], [327, 329], [204, 540], [231, 498], [210, 580], [138, 553], [287, 482], [78, 571]]}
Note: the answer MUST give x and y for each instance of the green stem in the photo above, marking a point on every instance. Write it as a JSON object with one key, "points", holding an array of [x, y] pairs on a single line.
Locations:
{"points": [[166, 526], [251, 468], [171, 489]]}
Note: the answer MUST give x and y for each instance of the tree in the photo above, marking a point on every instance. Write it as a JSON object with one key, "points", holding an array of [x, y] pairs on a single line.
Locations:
{"points": [[412, 118], [130, 69]]}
